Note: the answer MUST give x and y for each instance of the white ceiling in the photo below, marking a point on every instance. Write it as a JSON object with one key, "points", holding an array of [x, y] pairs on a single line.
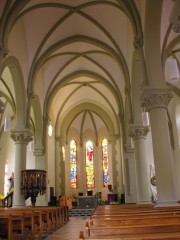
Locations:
{"points": [[79, 50]]}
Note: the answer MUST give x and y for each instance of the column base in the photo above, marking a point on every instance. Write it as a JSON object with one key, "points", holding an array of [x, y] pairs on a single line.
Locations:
{"points": [[167, 204], [18, 206], [144, 202]]}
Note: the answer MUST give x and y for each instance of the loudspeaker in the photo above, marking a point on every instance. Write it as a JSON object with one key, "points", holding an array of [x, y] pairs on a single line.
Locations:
{"points": [[89, 193], [109, 187]]}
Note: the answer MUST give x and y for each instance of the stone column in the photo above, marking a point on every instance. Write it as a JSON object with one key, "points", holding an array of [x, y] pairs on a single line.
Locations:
{"points": [[40, 163], [139, 133], [39, 157], [130, 174], [21, 139], [155, 101]]}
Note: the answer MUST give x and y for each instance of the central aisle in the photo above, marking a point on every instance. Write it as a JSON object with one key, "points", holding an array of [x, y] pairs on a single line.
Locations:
{"points": [[70, 231]]}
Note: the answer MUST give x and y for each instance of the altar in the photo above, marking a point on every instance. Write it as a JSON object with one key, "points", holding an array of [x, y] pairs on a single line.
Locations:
{"points": [[88, 201]]}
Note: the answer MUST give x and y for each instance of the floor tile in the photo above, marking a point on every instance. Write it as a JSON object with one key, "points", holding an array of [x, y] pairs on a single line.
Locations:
{"points": [[70, 231]]}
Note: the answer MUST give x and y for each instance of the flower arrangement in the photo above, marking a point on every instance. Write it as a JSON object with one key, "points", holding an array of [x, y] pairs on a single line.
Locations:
{"points": [[74, 197], [1, 197]]}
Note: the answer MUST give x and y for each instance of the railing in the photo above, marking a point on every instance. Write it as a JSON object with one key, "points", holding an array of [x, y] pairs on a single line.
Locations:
{"points": [[8, 200]]}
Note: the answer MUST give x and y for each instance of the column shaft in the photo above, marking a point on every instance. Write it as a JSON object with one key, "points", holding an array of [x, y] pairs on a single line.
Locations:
{"points": [[21, 139], [156, 100], [162, 155], [20, 164], [138, 133]]}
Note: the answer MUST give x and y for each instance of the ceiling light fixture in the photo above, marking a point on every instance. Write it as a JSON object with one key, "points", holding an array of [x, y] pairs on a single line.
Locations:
{"points": [[171, 70], [50, 130]]}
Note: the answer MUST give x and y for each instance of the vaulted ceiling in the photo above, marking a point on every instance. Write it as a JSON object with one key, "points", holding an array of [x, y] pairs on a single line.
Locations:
{"points": [[77, 54]]}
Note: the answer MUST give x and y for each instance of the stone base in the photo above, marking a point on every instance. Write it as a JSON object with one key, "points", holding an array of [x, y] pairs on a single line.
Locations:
{"points": [[167, 204]]}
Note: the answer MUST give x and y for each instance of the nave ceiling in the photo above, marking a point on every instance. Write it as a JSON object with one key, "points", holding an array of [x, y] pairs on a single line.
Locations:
{"points": [[76, 56]]}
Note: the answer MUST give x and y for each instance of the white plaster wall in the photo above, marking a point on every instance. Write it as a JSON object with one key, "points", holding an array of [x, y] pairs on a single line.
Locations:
{"points": [[7, 156]]}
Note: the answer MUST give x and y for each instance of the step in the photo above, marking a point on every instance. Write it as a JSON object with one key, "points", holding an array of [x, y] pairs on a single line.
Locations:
{"points": [[75, 212]]}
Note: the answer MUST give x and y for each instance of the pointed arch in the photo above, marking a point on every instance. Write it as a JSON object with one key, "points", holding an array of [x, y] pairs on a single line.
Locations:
{"points": [[19, 89], [37, 121], [84, 107]]}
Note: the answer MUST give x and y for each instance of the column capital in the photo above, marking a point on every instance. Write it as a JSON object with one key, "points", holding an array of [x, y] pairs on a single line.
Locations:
{"points": [[1, 106], [138, 42], [62, 140], [21, 136], [3, 51], [38, 151], [176, 26], [155, 98], [138, 131], [113, 138], [128, 148]]}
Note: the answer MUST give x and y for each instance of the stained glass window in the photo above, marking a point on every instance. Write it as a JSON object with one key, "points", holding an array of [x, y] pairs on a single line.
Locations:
{"points": [[73, 163], [105, 162], [89, 165]]}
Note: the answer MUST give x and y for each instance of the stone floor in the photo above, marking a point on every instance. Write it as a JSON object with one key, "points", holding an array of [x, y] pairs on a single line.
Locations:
{"points": [[70, 231]]}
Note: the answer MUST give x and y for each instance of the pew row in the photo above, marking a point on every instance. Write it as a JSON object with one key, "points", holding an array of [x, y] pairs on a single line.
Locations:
{"points": [[138, 222], [134, 221], [118, 210], [31, 222], [161, 236]]}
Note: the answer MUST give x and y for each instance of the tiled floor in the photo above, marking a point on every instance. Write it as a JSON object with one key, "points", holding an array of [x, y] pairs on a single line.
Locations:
{"points": [[70, 231]]}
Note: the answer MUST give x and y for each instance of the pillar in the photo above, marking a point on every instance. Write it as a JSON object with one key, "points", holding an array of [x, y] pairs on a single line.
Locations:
{"points": [[138, 133], [155, 101], [38, 152], [21, 139], [39, 157], [130, 175]]}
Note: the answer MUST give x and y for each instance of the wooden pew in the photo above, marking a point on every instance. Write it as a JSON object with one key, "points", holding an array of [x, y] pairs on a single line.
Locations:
{"points": [[133, 223], [37, 222], [119, 210], [12, 226], [162, 236], [133, 229]]}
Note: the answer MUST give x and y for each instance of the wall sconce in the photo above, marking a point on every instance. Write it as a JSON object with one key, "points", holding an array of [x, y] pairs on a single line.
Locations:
{"points": [[110, 188], [132, 143], [145, 118], [7, 124], [50, 130], [171, 70], [63, 153]]}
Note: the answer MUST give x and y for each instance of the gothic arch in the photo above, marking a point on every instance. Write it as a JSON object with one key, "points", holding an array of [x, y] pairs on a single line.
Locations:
{"points": [[78, 109], [19, 90]]}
